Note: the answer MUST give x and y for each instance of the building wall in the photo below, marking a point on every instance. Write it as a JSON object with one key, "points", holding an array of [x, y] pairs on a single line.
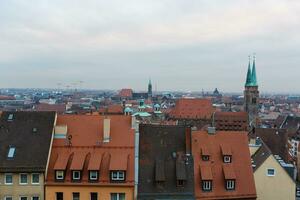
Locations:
{"points": [[103, 191], [277, 187], [16, 190]]}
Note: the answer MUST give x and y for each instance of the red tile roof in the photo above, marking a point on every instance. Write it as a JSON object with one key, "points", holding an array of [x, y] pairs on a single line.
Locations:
{"points": [[192, 109], [126, 93], [60, 108], [205, 172], [3, 97], [239, 169], [87, 150], [112, 109], [231, 121]]}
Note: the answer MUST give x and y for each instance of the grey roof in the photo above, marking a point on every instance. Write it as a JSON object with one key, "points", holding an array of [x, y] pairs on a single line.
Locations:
{"points": [[163, 162], [260, 156], [30, 134]]}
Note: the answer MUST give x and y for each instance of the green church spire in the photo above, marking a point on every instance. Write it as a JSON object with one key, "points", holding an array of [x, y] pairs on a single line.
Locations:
{"points": [[253, 78], [249, 75]]}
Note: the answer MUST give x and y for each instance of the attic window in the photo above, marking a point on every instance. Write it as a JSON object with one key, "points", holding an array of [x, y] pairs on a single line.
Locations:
{"points": [[230, 184], [11, 152], [10, 117], [227, 159], [205, 157]]}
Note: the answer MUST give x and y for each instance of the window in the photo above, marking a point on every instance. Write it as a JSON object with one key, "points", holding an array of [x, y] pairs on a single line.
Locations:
{"points": [[207, 185], [8, 179], [76, 196], [35, 179], [230, 184], [59, 196], [227, 159], [76, 175], [93, 175], [118, 175], [8, 198], [23, 198], [59, 175], [11, 152], [270, 172], [94, 196], [180, 183], [23, 179], [34, 130], [117, 196], [205, 157], [10, 117], [35, 198]]}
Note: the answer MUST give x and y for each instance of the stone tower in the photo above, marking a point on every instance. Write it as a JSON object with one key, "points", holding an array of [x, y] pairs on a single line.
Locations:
{"points": [[251, 95]]}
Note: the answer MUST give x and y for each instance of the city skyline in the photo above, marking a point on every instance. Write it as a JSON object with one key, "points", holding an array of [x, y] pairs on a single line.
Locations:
{"points": [[185, 46]]}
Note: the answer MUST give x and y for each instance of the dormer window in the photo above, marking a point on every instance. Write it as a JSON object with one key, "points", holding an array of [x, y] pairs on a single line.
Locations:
{"points": [[76, 175], [93, 175], [118, 175], [205, 157], [59, 175], [230, 184], [207, 185], [227, 159]]}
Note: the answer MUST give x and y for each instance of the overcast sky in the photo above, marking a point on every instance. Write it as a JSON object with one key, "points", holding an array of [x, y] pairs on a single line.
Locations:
{"points": [[180, 44]]}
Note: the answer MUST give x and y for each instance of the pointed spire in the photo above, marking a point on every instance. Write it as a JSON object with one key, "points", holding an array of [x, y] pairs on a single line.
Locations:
{"points": [[249, 75], [253, 78], [149, 82]]}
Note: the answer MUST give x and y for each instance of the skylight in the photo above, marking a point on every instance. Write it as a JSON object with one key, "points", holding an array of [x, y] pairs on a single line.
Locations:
{"points": [[11, 152], [10, 117]]}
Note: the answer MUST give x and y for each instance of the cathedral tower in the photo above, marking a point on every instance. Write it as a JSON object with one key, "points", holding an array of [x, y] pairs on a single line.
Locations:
{"points": [[251, 94], [149, 89]]}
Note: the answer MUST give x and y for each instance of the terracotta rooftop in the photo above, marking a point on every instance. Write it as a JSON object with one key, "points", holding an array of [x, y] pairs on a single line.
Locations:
{"points": [[112, 109], [60, 108], [86, 150], [231, 121], [192, 109], [126, 93], [223, 143]]}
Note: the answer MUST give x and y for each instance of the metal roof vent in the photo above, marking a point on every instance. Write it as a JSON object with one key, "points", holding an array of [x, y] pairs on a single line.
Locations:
{"points": [[211, 130]]}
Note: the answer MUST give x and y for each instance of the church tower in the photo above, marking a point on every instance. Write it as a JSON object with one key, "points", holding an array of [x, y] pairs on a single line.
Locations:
{"points": [[251, 94], [150, 89]]}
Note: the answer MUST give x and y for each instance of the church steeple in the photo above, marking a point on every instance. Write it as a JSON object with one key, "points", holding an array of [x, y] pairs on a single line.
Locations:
{"points": [[249, 75], [150, 89], [253, 78]]}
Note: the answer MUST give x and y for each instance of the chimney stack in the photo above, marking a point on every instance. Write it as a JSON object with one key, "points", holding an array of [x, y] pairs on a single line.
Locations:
{"points": [[106, 130]]}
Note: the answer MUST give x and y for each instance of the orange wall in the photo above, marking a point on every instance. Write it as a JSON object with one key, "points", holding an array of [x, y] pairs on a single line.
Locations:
{"points": [[103, 192]]}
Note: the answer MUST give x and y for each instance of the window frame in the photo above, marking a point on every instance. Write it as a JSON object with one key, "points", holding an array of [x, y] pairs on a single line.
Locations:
{"points": [[73, 193], [231, 183], [205, 158], [12, 181], [270, 174], [90, 175], [205, 184], [76, 178], [118, 195], [20, 179], [56, 175], [20, 198], [227, 159], [56, 193], [35, 196], [94, 193], [118, 172], [6, 197], [33, 183]]}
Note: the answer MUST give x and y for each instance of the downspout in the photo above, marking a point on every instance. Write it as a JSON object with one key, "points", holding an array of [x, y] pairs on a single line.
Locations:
{"points": [[135, 126]]}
